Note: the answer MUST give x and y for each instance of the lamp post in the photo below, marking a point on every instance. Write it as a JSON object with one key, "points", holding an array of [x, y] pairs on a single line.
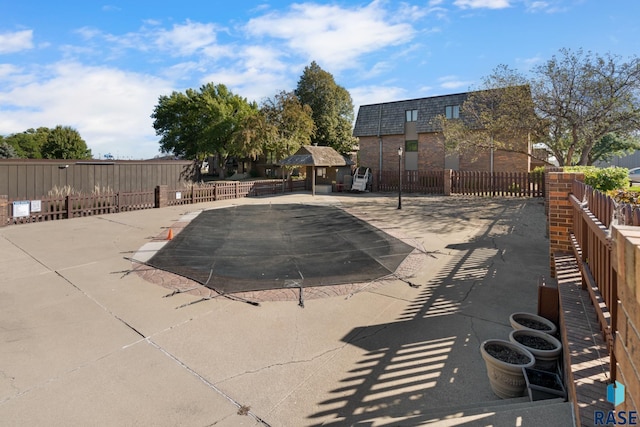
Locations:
{"points": [[399, 177]]}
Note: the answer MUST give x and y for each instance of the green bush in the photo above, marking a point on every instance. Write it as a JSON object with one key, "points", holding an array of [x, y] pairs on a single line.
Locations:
{"points": [[603, 179], [539, 170]]}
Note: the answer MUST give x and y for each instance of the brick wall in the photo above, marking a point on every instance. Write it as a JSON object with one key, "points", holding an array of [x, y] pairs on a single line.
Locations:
{"points": [[430, 151], [369, 155], [626, 261], [431, 155]]}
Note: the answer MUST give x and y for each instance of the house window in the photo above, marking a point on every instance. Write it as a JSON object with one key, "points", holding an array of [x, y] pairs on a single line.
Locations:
{"points": [[411, 115], [410, 146], [321, 172], [270, 158], [452, 111]]}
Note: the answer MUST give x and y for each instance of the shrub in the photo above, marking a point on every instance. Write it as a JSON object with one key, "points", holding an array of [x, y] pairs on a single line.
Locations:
{"points": [[603, 179]]}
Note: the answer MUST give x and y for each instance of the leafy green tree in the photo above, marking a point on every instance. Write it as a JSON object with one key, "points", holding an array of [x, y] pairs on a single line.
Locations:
{"points": [[6, 150], [583, 97], [199, 123], [612, 145], [64, 142], [332, 108], [289, 124], [499, 116], [28, 144], [586, 108]]}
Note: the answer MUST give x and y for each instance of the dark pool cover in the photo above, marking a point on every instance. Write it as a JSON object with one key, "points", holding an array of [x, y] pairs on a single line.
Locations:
{"points": [[258, 247]]}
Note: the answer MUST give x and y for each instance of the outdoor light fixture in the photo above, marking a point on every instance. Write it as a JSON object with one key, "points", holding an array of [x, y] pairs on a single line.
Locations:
{"points": [[399, 177]]}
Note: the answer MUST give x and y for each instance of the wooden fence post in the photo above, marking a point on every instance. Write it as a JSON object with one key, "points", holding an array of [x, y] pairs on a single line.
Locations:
{"points": [[4, 210], [161, 196], [68, 204], [448, 176]]}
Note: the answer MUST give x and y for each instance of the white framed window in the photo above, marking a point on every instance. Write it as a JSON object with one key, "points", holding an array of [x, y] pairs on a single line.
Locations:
{"points": [[321, 172], [452, 111], [411, 115]]}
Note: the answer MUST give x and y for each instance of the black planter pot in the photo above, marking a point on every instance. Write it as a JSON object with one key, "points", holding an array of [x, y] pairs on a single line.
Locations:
{"points": [[543, 385]]}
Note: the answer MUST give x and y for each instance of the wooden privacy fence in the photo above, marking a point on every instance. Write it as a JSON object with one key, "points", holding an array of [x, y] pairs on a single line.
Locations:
{"points": [[429, 182], [79, 205], [593, 215], [516, 184]]}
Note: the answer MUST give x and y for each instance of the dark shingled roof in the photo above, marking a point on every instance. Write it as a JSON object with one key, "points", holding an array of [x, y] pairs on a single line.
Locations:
{"points": [[388, 118], [311, 155]]}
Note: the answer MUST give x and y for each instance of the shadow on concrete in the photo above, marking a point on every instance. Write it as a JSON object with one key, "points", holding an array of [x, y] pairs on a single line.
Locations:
{"points": [[426, 365]]}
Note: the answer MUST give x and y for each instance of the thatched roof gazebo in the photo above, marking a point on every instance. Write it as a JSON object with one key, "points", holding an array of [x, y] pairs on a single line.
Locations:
{"points": [[314, 156]]}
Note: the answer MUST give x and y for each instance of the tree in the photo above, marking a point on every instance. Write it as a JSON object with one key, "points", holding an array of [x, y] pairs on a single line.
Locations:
{"points": [[28, 144], [581, 98], [499, 116], [6, 150], [289, 124], [196, 124], [612, 145], [332, 108], [64, 142]]}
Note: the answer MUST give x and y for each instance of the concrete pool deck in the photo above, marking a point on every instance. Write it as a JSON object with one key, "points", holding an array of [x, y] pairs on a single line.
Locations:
{"points": [[88, 340]]}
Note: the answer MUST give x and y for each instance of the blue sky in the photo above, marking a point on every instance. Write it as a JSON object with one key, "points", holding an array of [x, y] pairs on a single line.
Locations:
{"points": [[100, 67]]}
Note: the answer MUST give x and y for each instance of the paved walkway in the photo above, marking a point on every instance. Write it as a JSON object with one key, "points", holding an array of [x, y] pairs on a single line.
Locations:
{"points": [[88, 340]]}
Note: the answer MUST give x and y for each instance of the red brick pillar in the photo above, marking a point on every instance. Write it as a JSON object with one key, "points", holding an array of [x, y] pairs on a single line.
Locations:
{"points": [[4, 210], [560, 212], [162, 198]]}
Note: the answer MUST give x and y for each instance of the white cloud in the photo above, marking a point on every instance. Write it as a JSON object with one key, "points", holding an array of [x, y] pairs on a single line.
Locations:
{"points": [[16, 41], [110, 108], [453, 83], [187, 39], [365, 95], [536, 6], [482, 4], [333, 36]]}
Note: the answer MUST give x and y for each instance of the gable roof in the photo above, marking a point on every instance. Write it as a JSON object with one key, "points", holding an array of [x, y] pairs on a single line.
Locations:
{"points": [[388, 118], [312, 155]]}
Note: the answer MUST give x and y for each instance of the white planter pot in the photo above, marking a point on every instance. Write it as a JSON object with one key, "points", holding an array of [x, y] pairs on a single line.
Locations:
{"points": [[506, 377], [524, 320], [546, 359]]}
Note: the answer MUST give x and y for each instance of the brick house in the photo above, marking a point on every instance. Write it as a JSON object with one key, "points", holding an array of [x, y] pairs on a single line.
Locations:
{"points": [[412, 125]]}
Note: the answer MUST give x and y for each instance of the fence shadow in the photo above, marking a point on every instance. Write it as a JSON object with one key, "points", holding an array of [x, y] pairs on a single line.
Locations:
{"points": [[428, 359]]}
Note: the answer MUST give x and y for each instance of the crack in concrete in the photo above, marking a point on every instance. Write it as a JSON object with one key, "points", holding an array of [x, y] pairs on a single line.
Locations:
{"points": [[119, 223], [209, 384], [466, 295], [279, 364]]}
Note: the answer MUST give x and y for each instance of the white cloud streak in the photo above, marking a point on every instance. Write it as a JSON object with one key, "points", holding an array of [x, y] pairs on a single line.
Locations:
{"points": [[16, 41], [482, 4], [335, 37]]}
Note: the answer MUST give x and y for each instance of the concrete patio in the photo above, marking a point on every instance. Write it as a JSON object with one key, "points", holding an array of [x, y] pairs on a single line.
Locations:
{"points": [[86, 340]]}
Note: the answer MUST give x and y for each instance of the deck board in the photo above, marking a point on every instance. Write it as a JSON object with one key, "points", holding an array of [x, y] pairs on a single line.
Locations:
{"points": [[585, 350]]}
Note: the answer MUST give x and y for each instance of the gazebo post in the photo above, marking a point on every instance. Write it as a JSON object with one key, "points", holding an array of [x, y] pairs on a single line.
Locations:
{"points": [[313, 180]]}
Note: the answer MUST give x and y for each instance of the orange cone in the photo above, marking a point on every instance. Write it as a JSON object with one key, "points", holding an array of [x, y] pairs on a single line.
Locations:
{"points": [[170, 235]]}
